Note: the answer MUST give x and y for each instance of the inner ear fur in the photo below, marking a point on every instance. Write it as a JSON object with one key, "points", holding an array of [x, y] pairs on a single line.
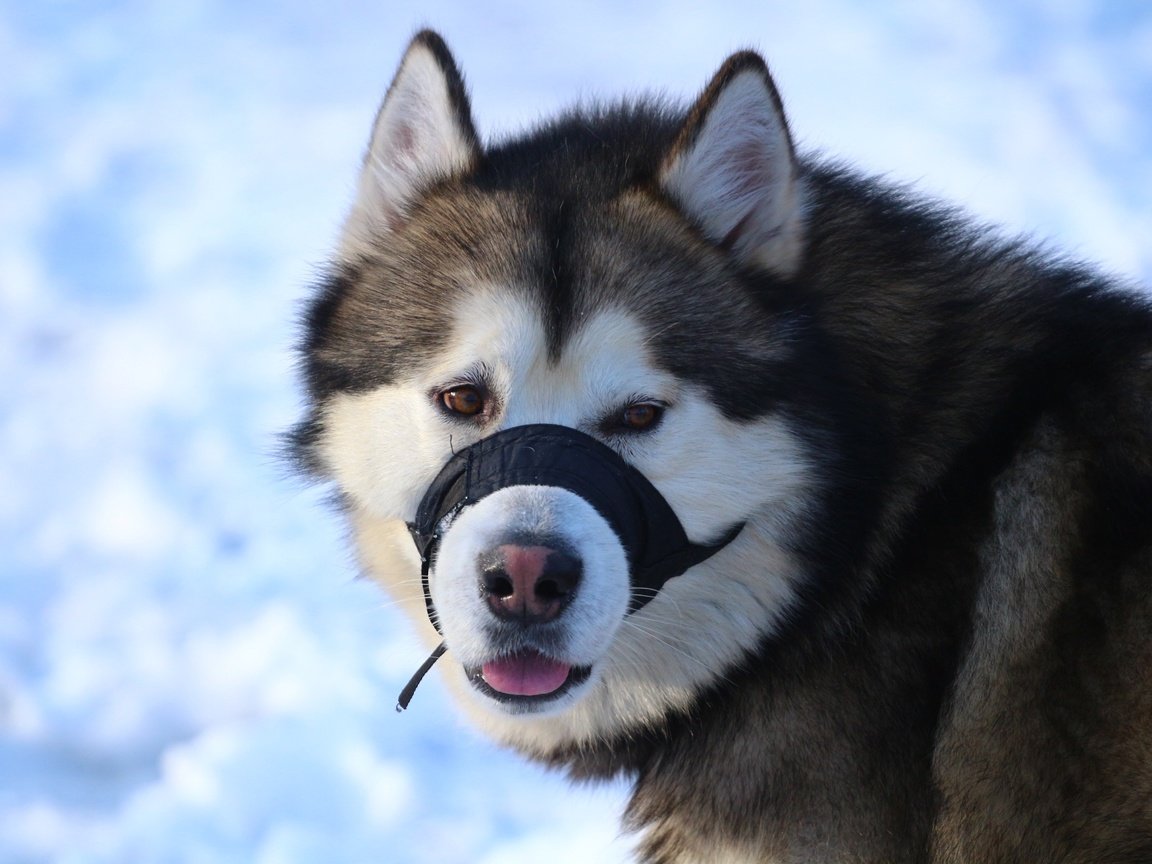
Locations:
{"points": [[733, 170], [423, 133]]}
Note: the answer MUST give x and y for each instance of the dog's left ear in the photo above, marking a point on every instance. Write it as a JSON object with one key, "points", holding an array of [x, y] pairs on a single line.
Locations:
{"points": [[733, 168]]}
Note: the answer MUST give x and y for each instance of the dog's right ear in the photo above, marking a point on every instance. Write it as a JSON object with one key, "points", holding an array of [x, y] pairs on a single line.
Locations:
{"points": [[423, 133]]}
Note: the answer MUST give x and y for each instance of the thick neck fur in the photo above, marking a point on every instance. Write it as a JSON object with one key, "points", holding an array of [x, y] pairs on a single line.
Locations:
{"points": [[975, 330]]}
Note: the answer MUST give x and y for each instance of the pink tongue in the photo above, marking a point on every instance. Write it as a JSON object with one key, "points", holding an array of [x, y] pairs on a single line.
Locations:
{"points": [[527, 674]]}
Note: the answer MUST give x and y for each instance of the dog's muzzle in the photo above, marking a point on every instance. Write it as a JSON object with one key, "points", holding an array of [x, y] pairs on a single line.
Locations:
{"points": [[547, 455]]}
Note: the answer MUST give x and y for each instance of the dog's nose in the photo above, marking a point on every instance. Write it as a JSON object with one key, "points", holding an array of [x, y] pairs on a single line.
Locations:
{"points": [[529, 583]]}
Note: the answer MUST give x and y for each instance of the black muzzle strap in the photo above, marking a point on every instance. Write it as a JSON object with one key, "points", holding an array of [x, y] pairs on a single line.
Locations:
{"points": [[547, 455]]}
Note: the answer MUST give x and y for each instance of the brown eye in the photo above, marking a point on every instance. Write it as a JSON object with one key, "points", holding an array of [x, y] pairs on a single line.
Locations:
{"points": [[641, 416], [466, 400]]}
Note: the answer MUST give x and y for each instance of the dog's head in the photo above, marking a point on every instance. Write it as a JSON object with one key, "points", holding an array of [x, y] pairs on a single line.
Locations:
{"points": [[554, 362]]}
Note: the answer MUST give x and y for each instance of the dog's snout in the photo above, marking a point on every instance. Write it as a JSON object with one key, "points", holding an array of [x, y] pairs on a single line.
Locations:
{"points": [[532, 583]]}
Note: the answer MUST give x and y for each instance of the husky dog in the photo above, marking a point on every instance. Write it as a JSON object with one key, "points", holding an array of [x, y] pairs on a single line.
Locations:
{"points": [[821, 512]]}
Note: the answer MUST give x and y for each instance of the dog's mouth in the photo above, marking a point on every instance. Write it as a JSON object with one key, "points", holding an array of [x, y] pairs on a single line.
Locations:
{"points": [[527, 678]]}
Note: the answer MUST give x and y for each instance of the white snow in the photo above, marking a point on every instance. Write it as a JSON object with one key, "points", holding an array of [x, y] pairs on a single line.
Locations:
{"points": [[189, 671]]}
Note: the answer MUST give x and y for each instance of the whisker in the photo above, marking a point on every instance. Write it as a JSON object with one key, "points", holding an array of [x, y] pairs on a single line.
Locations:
{"points": [[656, 636], [651, 593]]}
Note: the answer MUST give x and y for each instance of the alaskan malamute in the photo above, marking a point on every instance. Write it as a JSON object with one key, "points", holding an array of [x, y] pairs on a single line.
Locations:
{"points": [[820, 511]]}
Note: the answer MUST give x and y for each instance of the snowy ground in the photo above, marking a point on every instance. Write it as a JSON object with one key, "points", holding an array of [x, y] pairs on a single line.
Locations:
{"points": [[188, 670]]}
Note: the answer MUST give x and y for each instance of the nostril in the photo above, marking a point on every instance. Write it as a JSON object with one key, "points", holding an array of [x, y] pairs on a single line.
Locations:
{"points": [[560, 576], [549, 589], [497, 584]]}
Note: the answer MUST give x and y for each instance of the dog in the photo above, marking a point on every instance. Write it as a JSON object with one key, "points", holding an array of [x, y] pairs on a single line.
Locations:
{"points": [[820, 511]]}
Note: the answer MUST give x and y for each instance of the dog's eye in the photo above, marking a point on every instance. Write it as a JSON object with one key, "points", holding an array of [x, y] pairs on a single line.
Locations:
{"points": [[641, 416], [466, 400]]}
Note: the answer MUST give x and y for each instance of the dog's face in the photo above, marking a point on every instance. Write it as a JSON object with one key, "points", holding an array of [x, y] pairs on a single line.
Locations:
{"points": [[470, 304]]}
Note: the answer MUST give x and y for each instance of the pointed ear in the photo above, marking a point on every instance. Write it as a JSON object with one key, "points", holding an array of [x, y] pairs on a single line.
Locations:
{"points": [[733, 168], [423, 133]]}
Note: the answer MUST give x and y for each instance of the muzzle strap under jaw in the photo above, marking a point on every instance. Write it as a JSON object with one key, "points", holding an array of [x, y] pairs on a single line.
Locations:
{"points": [[647, 582], [410, 688], [426, 546], [654, 541]]}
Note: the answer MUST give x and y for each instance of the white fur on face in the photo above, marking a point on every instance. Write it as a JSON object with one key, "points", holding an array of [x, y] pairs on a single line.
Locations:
{"points": [[385, 447], [595, 613]]}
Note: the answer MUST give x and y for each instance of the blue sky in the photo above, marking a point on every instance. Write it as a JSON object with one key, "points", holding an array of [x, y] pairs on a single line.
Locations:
{"points": [[189, 670]]}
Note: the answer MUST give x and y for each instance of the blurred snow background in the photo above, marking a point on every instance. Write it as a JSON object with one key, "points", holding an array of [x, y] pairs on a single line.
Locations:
{"points": [[188, 670]]}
